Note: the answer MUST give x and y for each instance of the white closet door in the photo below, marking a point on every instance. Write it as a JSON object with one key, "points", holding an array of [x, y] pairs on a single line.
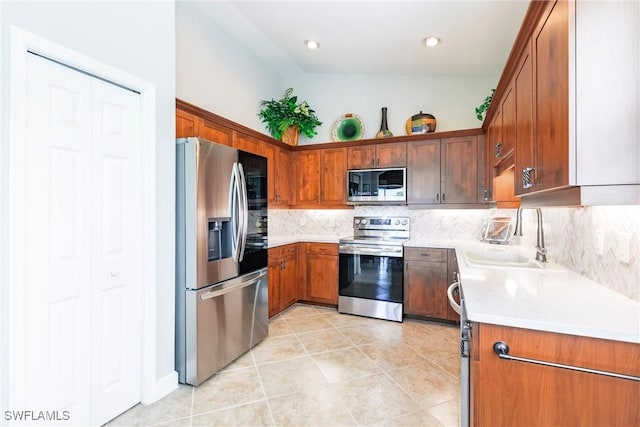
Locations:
{"points": [[83, 234], [58, 243], [116, 256]]}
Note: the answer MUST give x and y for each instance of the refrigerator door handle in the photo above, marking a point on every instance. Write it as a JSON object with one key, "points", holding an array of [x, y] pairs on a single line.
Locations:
{"points": [[218, 292], [244, 210], [234, 206]]}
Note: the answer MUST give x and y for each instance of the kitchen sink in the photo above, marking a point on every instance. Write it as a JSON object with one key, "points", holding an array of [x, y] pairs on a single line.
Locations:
{"points": [[499, 258]]}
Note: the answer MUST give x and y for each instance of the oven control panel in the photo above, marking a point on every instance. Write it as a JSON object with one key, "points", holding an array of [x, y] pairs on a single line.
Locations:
{"points": [[381, 223]]}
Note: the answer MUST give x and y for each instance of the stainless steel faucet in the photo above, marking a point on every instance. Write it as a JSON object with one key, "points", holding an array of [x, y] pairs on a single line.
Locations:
{"points": [[541, 251]]}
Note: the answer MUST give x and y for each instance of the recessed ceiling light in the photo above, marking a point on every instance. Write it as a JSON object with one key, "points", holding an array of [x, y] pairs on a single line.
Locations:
{"points": [[431, 41], [311, 44]]}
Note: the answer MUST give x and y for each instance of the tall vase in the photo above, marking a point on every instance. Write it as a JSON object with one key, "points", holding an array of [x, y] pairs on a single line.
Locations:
{"points": [[384, 131]]}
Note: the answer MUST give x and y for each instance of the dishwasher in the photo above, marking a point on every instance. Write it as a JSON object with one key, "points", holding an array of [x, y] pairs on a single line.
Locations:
{"points": [[465, 349]]}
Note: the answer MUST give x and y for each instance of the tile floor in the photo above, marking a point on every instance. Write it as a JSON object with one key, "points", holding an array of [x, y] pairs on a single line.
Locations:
{"points": [[322, 368]]}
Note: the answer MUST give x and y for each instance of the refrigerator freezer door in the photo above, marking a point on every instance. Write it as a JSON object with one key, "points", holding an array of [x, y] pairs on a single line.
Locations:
{"points": [[223, 322]]}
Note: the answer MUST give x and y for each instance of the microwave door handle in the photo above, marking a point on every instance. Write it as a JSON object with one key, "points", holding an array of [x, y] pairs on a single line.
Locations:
{"points": [[244, 210]]}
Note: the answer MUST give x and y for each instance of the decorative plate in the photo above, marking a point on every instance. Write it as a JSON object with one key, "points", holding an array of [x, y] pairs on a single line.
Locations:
{"points": [[348, 128]]}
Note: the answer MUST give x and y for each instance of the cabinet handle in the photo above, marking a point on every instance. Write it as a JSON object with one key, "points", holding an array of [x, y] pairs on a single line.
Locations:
{"points": [[486, 195], [426, 254], [442, 197], [437, 197], [527, 177], [502, 350], [497, 150], [291, 250]]}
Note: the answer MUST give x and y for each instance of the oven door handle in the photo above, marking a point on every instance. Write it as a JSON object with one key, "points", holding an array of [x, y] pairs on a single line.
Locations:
{"points": [[452, 302], [365, 250]]}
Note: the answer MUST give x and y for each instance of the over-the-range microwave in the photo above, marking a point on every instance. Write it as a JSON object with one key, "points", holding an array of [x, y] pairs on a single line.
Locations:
{"points": [[377, 186]]}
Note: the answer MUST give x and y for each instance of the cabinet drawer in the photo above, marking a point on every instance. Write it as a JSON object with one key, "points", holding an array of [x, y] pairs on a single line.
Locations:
{"points": [[282, 251], [425, 254], [322, 248]]}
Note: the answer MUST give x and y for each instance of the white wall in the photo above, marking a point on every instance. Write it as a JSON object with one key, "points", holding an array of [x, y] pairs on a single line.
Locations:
{"points": [[452, 100], [220, 74], [138, 38], [216, 72]]}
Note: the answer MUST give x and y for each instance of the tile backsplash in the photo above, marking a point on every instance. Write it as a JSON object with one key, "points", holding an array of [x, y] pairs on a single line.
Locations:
{"points": [[571, 234]]}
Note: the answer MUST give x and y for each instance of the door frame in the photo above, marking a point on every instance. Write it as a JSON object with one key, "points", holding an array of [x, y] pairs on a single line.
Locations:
{"points": [[23, 42]]}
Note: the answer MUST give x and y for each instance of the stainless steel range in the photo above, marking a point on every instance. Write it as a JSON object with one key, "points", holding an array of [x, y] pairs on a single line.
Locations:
{"points": [[371, 268]]}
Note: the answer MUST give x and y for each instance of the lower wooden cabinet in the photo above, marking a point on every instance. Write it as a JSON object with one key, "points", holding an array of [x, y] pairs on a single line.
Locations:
{"points": [[426, 279], [322, 273], [283, 271], [516, 393]]}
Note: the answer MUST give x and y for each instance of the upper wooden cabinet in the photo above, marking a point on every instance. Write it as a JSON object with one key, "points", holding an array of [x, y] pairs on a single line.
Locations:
{"points": [[187, 124], [551, 83], [279, 173], [570, 94], [320, 177], [315, 176], [517, 393], [445, 172], [248, 143], [524, 151], [377, 156]]}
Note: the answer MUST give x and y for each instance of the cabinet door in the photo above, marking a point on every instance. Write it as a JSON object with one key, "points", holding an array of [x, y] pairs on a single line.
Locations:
{"points": [[274, 275], [504, 152], [459, 170], [524, 123], [322, 278], [487, 190], [551, 98], [515, 393], [215, 133], [496, 136], [186, 124], [333, 190], [288, 282], [362, 157], [278, 173], [425, 288], [391, 155], [283, 177], [247, 143], [306, 172], [423, 175]]}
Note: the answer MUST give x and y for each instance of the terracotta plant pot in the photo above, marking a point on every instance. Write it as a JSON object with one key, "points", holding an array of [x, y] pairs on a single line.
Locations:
{"points": [[290, 136]]}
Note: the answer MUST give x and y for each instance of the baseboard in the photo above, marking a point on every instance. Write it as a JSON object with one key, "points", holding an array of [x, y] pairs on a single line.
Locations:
{"points": [[161, 388]]}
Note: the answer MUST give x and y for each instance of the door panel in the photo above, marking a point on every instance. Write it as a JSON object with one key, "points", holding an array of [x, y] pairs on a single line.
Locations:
{"points": [[58, 219], [82, 200], [116, 251]]}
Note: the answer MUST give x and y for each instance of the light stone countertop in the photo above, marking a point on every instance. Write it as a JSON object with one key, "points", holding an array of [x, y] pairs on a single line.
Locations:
{"points": [[553, 299], [285, 240]]}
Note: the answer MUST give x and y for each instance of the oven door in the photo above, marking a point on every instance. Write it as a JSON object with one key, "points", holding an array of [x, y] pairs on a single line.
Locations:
{"points": [[371, 281]]}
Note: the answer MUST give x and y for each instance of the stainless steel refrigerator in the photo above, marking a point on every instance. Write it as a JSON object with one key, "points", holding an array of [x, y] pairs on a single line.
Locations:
{"points": [[221, 256]]}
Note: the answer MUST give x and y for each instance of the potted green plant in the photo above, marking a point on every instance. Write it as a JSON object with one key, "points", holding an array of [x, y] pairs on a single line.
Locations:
{"points": [[484, 107], [285, 119]]}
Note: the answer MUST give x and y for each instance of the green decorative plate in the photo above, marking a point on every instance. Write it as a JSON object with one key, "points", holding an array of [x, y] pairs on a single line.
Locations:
{"points": [[348, 128]]}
